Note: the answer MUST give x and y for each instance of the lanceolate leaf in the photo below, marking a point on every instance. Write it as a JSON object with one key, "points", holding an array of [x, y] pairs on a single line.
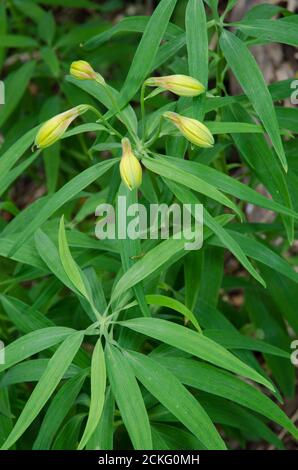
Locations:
{"points": [[62, 196], [57, 366], [283, 31], [32, 343], [133, 411], [171, 393], [212, 380], [98, 386], [58, 409], [252, 81], [225, 183], [192, 181], [147, 49], [69, 264], [193, 343], [256, 152], [197, 48]]}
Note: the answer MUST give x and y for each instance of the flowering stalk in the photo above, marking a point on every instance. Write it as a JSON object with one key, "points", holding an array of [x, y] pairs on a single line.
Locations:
{"points": [[82, 70]]}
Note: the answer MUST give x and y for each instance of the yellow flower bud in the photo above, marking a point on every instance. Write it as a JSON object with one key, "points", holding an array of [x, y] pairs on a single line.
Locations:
{"points": [[181, 85], [82, 70], [130, 167], [193, 130], [53, 129]]}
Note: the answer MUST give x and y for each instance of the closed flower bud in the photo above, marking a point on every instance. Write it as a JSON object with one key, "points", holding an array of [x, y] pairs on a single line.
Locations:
{"points": [[53, 129], [82, 70], [130, 167], [181, 85], [193, 130]]}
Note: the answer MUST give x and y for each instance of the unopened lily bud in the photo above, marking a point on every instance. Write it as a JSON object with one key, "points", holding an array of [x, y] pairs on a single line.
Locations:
{"points": [[181, 85], [82, 70], [193, 130], [130, 167], [53, 129]]}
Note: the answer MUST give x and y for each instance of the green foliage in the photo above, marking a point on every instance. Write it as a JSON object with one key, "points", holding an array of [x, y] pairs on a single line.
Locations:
{"points": [[136, 343]]}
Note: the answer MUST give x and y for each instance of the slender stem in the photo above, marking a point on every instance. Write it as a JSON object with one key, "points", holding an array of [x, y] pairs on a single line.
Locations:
{"points": [[117, 108], [156, 135], [106, 123], [143, 112]]}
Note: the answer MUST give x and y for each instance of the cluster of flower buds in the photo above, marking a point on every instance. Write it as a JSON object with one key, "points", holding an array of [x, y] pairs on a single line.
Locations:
{"points": [[130, 167]]}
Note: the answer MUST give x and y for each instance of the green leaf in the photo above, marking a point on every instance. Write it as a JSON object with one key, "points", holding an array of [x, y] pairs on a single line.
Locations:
{"points": [[194, 343], [170, 392], [130, 249], [169, 302], [31, 371], [29, 9], [51, 60], [186, 197], [156, 259], [102, 438], [165, 169], [258, 155], [98, 387], [16, 41], [58, 410], [32, 343], [212, 380], [197, 41], [15, 87], [225, 183], [129, 24], [67, 192], [70, 266], [133, 411], [127, 115], [147, 49], [260, 252], [47, 27], [252, 81], [233, 340], [197, 49], [282, 31], [49, 254], [7, 180], [57, 366]]}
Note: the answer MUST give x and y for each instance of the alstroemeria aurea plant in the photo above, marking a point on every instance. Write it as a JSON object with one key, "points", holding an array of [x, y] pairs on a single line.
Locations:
{"points": [[130, 168]]}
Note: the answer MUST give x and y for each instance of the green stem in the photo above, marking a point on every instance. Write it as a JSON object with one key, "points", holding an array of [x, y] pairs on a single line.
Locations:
{"points": [[156, 135], [143, 112], [118, 110], [106, 123]]}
